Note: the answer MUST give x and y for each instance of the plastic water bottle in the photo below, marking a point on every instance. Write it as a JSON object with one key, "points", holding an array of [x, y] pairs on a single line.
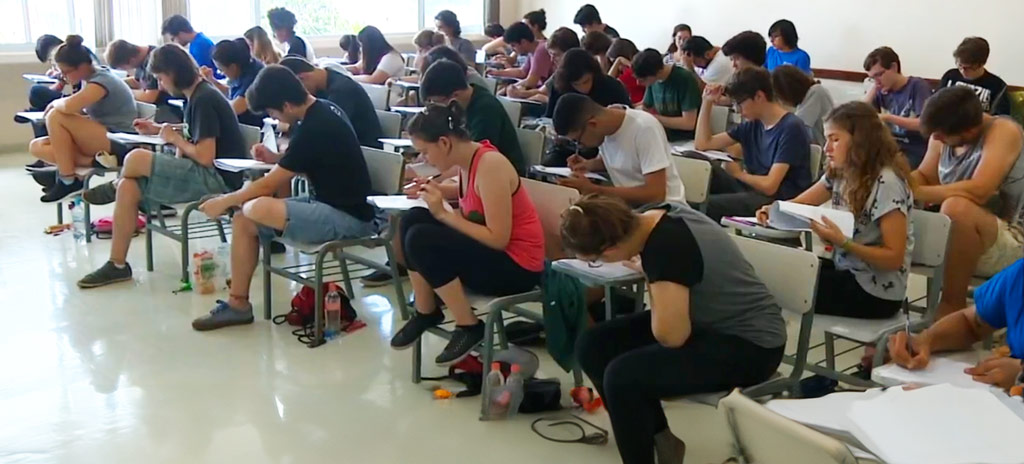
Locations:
{"points": [[78, 219], [514, 386], [495, 383], [332, 306]]}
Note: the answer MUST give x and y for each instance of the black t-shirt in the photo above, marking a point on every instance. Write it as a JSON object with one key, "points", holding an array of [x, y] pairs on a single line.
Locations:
{"points": [[325, 149], [611, 32], [605, 90], [672, 254], [148, 80], [209, 115], [989, 88], [296, 46], [351, 97]]}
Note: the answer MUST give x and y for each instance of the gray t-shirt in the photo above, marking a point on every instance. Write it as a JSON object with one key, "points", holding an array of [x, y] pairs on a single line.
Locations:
{"points": [[890, 194], [1009, 205], [116, 110], [726, 295], [816, 106], [465, 48]]}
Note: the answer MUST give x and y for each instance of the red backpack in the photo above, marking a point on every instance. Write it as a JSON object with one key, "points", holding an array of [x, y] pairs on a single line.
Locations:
{"points": [[304, 306]]}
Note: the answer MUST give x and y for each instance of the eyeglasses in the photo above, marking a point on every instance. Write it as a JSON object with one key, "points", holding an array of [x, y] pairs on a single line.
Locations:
{"points": [[968, 67], [737, 106], [877, 75]]}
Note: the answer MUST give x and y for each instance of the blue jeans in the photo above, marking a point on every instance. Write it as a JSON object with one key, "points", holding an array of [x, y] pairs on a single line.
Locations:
{"points": [[311, 222]]}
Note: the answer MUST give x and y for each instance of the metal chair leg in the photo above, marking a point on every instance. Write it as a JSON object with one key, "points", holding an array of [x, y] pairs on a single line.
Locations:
{"points": [[830, 351], [60, 212], [184, 244], [318, 314], [345, 274], [267, 312], [417, 361], [487, 350], [499, 325], [149, 244]]}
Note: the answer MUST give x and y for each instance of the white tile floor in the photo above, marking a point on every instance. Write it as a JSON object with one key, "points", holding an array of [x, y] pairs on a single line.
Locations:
{"points": [[116, 375]]}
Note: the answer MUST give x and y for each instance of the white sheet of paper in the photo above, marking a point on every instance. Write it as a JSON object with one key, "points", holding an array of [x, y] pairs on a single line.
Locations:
{"points": [[39, 78], [786, 215], [605, 271], [826, 414], [270, 140], [408, 109], [565, 172], [176, 102], [239, 165], [135, 139], [713, 155], [424, 169], [940, 370], [401, 143], [941, 424], [34, 116], [399, 202], [688, 145]]}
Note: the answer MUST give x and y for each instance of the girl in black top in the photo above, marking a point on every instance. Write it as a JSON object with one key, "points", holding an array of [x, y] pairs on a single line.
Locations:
{"points": [[580, 73]]}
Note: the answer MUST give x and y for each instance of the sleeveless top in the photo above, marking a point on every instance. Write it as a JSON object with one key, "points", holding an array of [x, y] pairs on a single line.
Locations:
{"points": [[116, 110], [1009, 201], [526, 244]]}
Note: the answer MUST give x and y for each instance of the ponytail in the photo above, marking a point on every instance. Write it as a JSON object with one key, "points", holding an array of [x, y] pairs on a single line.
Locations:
{"points": [[73, 52], [438, 121]]}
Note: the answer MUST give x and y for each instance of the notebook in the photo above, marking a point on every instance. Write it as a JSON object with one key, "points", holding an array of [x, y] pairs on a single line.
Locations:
{"points": [[566, 172], [599, 271], [787, 215], [240, 164], [940, 370], [399, 202], [34, 116], [136, 139]]}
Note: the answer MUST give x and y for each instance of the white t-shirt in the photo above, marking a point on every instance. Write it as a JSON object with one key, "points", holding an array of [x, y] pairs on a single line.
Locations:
{"points": [[719, 70], [638, 148], [393, 64]]}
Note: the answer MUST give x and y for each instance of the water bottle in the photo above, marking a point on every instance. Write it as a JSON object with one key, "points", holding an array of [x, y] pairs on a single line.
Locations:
{"points": [[332, 306], [224, 262], [514, 386], [78, 219], [495, 384]]}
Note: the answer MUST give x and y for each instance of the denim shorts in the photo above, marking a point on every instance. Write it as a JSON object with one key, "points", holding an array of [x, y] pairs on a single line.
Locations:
{"points": [[312, 222]]}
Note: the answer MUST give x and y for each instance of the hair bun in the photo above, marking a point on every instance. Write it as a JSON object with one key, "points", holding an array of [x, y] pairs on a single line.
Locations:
{"points": [[74, 40]]}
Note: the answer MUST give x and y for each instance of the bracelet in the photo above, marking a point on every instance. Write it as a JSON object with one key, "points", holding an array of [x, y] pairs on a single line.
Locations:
{"points": [[846, 244]]}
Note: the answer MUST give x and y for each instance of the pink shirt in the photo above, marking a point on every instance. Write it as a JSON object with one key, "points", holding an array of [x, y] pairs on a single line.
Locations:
{"points": [[540, 60]]}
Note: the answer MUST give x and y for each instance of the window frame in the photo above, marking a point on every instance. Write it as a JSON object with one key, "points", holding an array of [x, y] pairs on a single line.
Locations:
{"points": [[29, 44]]}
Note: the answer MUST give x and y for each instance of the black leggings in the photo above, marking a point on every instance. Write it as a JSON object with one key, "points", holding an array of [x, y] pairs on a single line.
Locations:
{"points": [[441, 254], [839, 294], [633, 373]]}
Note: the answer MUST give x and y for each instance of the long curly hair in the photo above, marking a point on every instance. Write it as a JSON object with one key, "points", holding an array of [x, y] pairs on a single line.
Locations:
{"points": [[872, 149]]}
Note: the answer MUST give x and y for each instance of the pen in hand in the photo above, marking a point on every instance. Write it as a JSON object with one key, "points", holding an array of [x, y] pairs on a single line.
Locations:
{"points": [[413, 183]]}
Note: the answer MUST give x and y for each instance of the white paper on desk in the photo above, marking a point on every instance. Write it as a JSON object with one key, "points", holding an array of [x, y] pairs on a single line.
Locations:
{"points": [[135, 139], [399, 202], [826, 414], [402, 143], [787, 215], [940, 370], [241, 164], [711, 155], [565, 172], [270, 139], [408, 109], [603, 271], [40, 78], [941, 424], [34, 116], [424, 169], [688, 145]]}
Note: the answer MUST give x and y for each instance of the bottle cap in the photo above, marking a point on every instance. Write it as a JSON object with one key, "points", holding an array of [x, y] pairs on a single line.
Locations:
{"points": [[496, 366], [516, 368]]}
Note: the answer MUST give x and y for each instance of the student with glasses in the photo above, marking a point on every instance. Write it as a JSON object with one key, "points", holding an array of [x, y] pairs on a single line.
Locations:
{"points": [[971, 56], [633, 150], [900, 101], [776, 148]]}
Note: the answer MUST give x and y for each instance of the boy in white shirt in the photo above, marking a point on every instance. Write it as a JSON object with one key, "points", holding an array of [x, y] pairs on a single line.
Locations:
{"points": [[633, 150], [711, 65]]}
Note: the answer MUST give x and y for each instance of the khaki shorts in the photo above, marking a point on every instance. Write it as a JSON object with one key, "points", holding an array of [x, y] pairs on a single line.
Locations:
{"points": [[1007, 249]]}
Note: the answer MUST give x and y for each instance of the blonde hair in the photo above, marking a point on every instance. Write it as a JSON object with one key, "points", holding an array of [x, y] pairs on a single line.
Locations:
{"points": [[262, 48], [872, 149]]}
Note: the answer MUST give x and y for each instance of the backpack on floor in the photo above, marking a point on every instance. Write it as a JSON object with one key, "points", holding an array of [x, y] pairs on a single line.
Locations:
{"points": [[103, 228], [304, 307]]}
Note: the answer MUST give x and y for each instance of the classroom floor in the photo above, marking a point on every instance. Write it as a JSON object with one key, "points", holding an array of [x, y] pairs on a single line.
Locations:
{"points": [[117, 374]]}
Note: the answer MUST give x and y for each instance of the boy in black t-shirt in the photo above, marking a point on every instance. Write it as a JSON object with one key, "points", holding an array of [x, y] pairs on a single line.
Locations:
{"points": [[325, 149], [341, 90], [971, 56]]}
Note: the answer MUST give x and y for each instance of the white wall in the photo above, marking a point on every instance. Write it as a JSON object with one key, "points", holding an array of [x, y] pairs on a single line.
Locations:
{"points": [[836, 33]]}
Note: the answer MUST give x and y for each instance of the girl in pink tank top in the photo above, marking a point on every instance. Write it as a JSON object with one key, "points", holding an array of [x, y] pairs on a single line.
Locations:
{"points": [[492, 246]]}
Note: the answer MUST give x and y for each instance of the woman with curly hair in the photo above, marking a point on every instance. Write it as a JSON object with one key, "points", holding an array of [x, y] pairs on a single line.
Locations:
{"points": [[868, 176]]}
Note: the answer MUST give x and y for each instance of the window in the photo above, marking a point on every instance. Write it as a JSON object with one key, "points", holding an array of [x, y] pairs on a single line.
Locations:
{"points": [[222, 18], [60, 18], [136, 21]]}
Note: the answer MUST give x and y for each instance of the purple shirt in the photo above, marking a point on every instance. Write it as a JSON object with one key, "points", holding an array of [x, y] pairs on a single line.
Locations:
{"points": [[907, 102], [540, 60]]}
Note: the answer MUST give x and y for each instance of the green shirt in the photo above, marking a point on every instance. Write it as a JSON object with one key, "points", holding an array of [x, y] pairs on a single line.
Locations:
{"points": [[488, 120], [672, 97]]}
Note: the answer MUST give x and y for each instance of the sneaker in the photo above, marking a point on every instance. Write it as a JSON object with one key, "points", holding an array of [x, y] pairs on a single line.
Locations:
{"points": [[464, 340], [60, 191], [106, 275], [381, 278], [45, 179], [104, 194], [223, 315], [277, 248], [417, 325], [36, 165]]}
